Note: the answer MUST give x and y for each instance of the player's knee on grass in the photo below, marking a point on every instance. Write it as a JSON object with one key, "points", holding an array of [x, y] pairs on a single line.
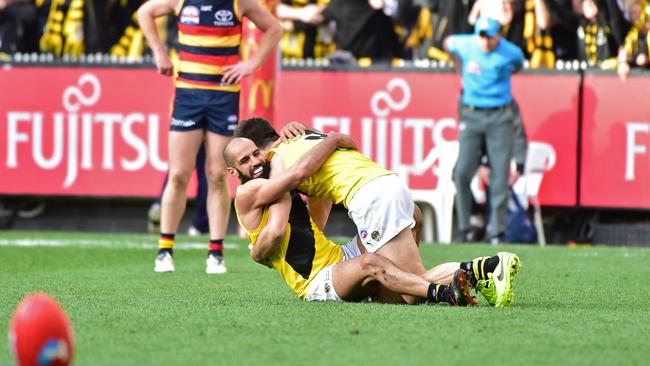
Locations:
{"points": [[381, 271], [374, 266]]}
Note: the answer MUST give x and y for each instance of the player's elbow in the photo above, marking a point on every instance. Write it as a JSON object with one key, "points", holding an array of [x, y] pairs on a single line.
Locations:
{"points": [[276, 232], [259, 258], [259, 254], [275, 32], [144, 13], [273, 237]]}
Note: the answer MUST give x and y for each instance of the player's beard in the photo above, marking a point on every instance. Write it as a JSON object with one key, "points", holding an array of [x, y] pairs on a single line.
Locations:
{"points": [[266, 172]]}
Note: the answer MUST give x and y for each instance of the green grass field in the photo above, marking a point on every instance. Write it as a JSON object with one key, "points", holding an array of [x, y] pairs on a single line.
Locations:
{"points": [[572, 306]]}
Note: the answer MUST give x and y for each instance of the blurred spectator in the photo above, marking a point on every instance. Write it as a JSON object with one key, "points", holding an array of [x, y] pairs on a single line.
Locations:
{"points": [[509, 13], [363, 29], [305, 35], [18, 26], [635, 51], [124, 35], [604, 33], [601, 31], [487, 63], [436, 20], [501, 10], [549, 31], [544, 29], [74, 27], [63, 33], [404, 14]]}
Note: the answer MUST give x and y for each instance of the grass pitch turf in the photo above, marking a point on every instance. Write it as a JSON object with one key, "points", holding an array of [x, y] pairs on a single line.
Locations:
{"points": [[572, 306]]}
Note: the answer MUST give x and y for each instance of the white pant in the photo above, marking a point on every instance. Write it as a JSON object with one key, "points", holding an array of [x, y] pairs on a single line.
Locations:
{"points": [[381, 209], [322, 286]]}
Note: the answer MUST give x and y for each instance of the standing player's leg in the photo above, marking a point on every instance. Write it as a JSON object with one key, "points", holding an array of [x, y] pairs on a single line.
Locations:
{"points": [[200, 224], [183, 147], [218, 202], [222, 113]]}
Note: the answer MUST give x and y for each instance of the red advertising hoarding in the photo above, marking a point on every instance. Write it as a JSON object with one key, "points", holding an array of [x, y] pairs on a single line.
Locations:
{"points": [[615, 142], [103, 132], [77, 131], [397, 118], [549, 106]]}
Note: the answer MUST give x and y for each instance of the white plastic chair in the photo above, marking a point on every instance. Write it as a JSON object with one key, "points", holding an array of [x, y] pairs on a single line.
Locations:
{"points": [[438, 200], [540, 158]]}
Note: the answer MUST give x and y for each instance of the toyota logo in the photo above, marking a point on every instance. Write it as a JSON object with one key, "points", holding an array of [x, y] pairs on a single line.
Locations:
{"points": [[223, 15]]}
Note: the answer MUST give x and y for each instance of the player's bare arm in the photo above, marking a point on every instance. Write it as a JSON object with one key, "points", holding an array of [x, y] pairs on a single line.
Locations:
{"points": [[147, 14], [274, 231], [267, 23]]}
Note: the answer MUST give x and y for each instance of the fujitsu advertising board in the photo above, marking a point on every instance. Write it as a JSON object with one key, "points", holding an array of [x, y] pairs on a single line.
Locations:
{"points": [[77, 131], [103, 132], [397, 118]]}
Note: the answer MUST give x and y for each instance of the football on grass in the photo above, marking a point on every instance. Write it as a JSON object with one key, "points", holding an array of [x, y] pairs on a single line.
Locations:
{"points": [[40, 333]]}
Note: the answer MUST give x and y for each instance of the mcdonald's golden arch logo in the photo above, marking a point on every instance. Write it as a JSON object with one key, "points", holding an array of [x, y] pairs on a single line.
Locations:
{"points": [[266, 87]]}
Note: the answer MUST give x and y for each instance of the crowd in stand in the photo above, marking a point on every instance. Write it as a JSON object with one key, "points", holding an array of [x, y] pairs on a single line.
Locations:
{"points": [[73, 27], [610, 34]]}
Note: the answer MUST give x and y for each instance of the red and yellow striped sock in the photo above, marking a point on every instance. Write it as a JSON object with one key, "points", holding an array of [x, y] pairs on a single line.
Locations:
{"points": [[166, 243], [215, 247]]}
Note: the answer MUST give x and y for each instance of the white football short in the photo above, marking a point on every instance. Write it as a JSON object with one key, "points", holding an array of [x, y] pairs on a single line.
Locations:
{"points": [[381, 209], [322, 286]]}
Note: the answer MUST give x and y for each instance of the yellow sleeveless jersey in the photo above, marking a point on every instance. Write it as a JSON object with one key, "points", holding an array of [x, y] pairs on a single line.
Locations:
{"points": [[305, 250], [209, 36], [340, 176]]}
